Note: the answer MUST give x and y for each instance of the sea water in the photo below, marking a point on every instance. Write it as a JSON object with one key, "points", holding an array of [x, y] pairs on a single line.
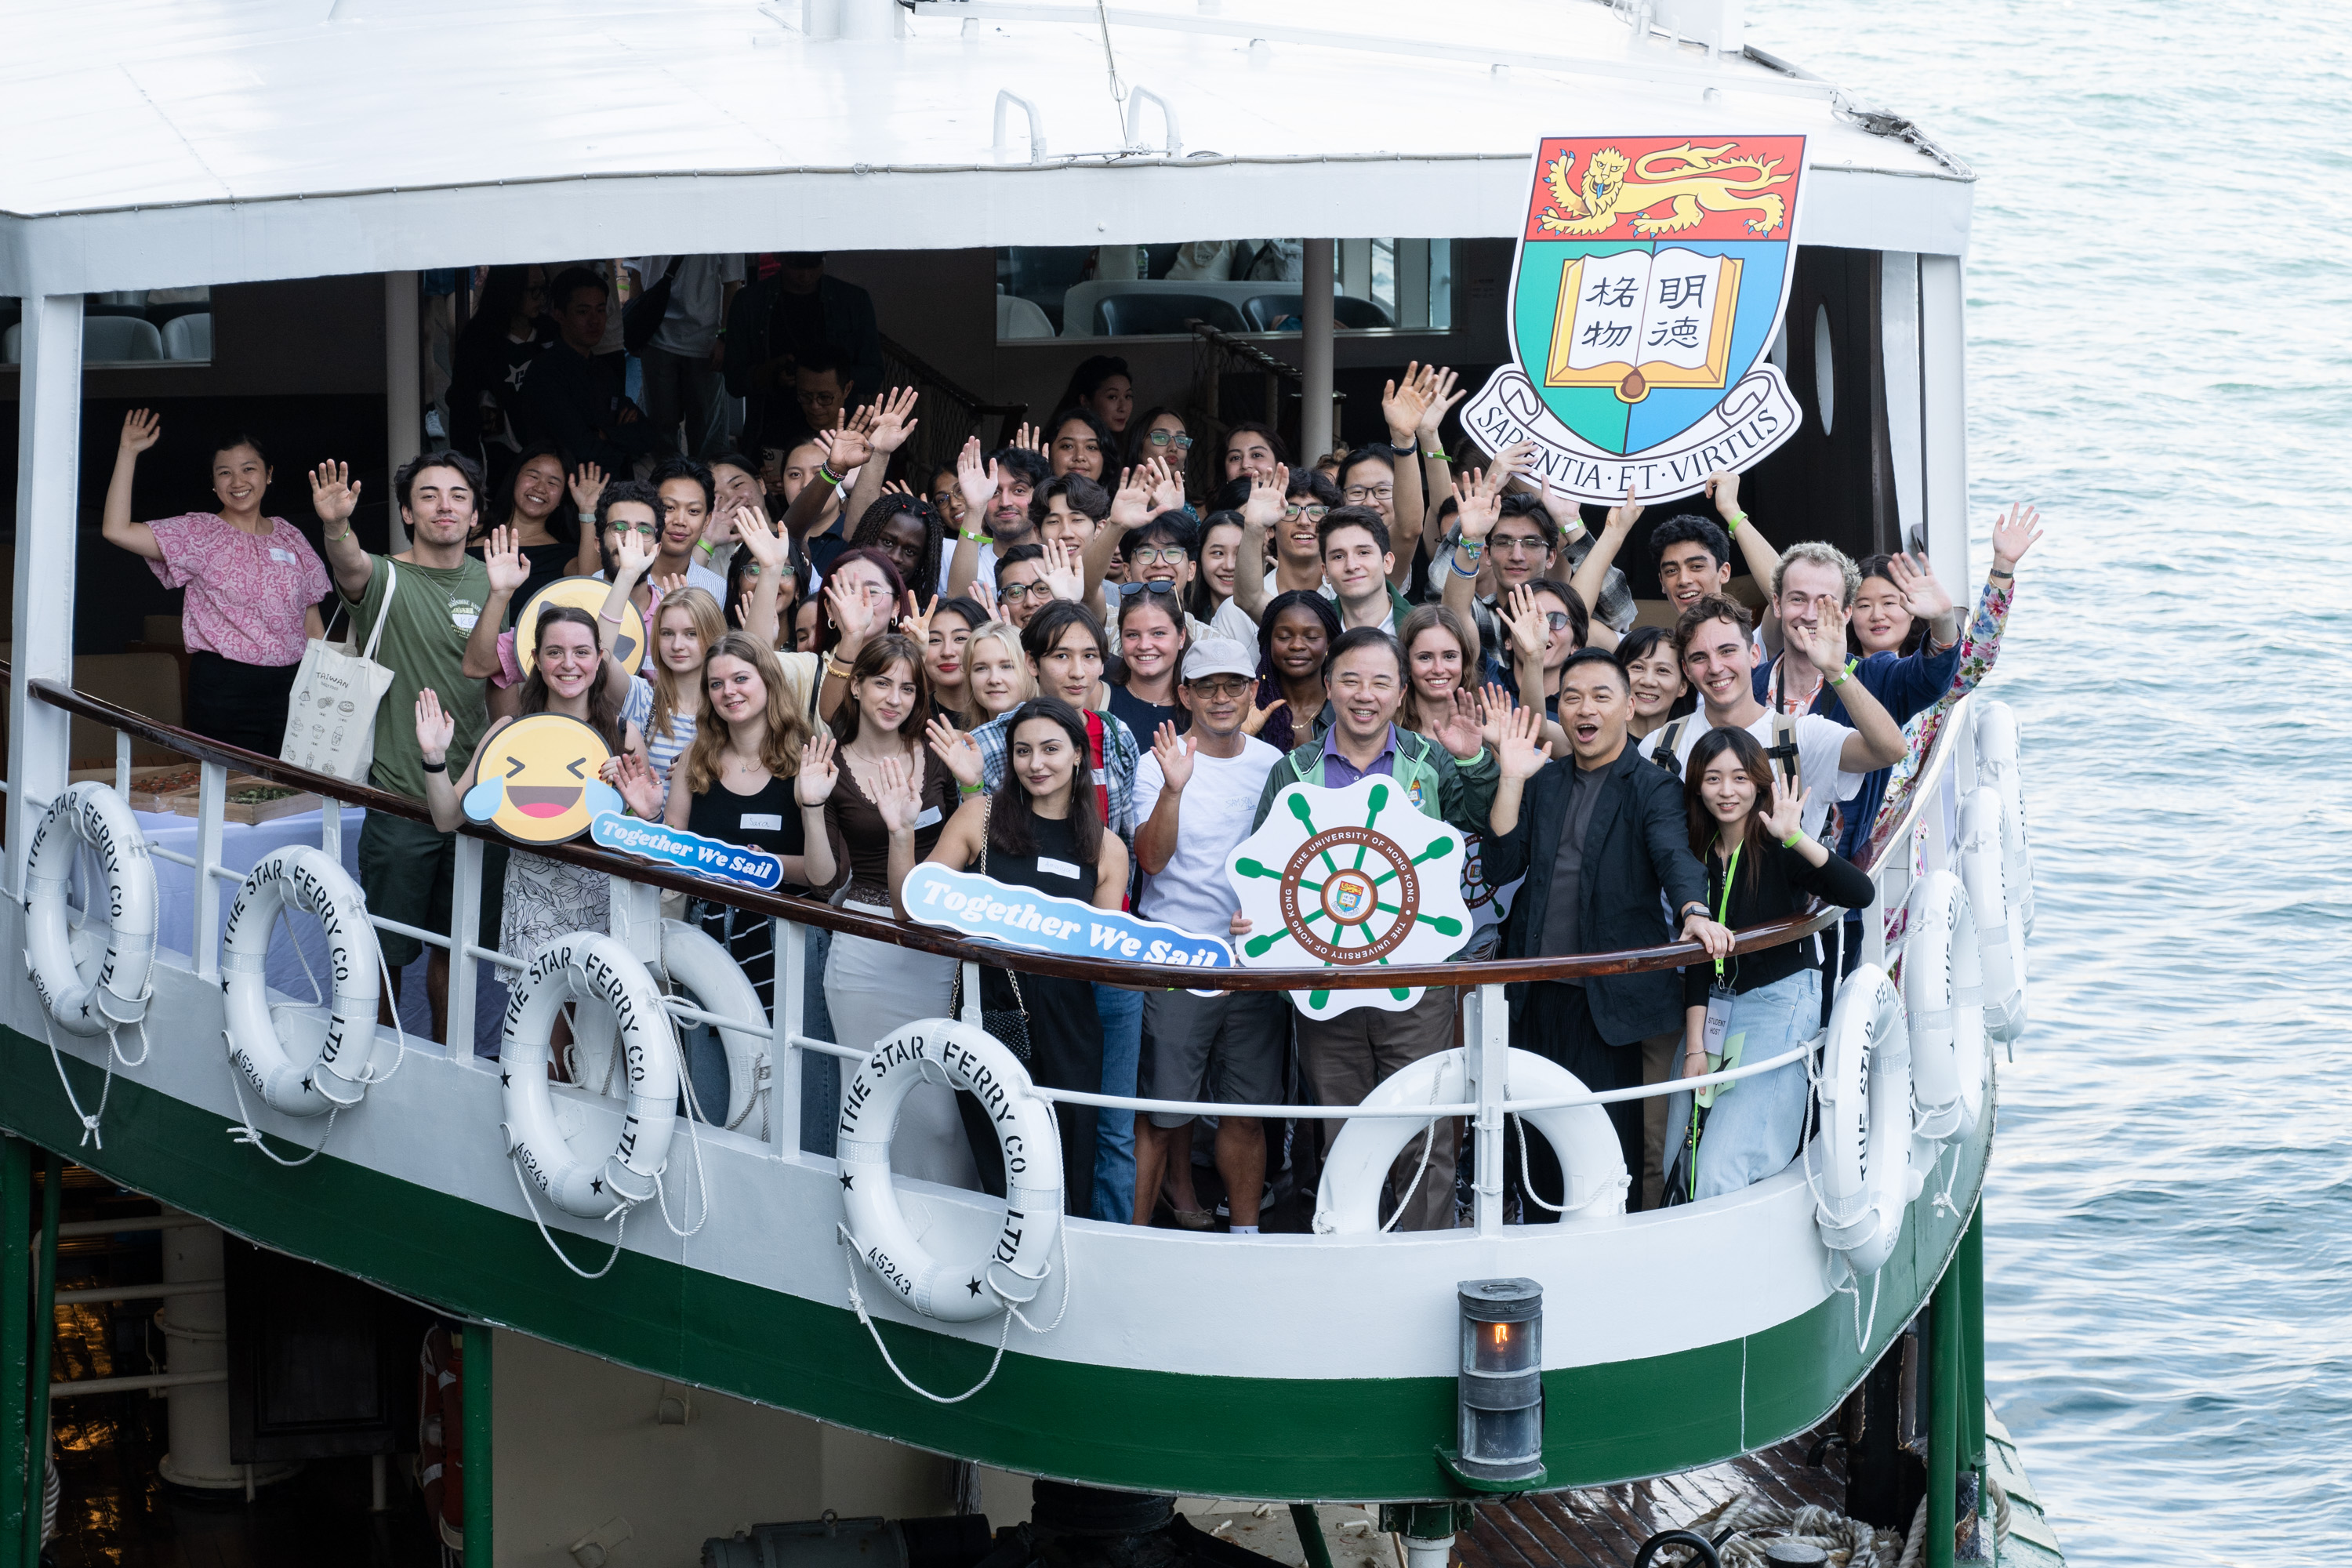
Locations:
{"points": [[2159, 346]]}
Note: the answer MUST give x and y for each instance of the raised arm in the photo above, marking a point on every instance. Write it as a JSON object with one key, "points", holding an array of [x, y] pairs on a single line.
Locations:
{"points": [[1877, 740], [1155, 839], [1130, 507], [976, 482], [884, 419], [1478, 501], [587, 485], [141, 429], [436, 728], [1402, 403], [1261, 513], [1436, 478], [760, 541], [629, 565], [502, 558], [811, 789], [1594, 575], [1756, 552], [334, 497]]}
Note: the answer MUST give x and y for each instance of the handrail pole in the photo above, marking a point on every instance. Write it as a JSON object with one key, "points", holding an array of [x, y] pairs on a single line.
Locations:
{"points": [[212, 801], [790, 968], [123, 764], [1491, 1018], [331, 830], [971, 994], [464, 924], [48, 487]]}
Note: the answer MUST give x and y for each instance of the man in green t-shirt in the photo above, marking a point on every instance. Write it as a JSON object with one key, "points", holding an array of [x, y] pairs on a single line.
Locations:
{"points": [[436, 593]]}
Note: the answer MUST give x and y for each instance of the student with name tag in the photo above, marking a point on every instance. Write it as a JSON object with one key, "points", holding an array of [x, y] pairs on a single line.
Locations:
{"points": [[253, 587], [1761, 864], [1039, 828], [871, 987]]}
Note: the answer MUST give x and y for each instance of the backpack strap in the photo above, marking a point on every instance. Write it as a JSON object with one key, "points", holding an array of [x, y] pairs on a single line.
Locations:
{"points": [[1667, 754], [1783, 752]]}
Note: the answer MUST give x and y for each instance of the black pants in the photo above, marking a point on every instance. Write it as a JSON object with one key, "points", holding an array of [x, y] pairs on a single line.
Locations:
{"points": [[1558, 1025], [1065, 1049], [239, 704]]}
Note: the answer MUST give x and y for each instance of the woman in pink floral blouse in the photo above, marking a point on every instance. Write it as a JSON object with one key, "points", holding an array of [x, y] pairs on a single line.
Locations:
{"points": [[253, 588]]}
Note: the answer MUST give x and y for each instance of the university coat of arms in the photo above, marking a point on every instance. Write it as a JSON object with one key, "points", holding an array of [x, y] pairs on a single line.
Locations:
{"points": [[1650, 279]]}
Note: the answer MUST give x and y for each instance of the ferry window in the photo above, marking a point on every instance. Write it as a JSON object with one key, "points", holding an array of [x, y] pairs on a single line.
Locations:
{"points": [[139, 326], [1238, 285]]}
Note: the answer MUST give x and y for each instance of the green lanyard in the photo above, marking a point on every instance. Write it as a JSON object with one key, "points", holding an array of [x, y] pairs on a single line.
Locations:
{"points": [[1723, 910]]}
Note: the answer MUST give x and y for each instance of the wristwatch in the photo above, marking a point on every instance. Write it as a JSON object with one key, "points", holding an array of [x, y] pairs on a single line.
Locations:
{"points": [[1693, 908]]}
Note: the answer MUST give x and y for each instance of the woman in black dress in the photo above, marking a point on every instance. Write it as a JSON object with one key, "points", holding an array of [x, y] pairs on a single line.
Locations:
{"points": [[1040, 830]]}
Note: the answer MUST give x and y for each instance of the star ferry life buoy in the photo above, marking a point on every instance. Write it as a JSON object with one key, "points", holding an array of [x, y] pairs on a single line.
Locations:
{"points": [[597, 969], [1997, 766], [714, 983], [92, 979], [330, 1069], [1014, 1263], [1992, 897], [1864, 1158], [1348, 1200], [1943, 999]]}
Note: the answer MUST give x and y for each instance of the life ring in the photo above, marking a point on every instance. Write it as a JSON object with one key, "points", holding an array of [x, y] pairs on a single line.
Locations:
{"points": [[91, 987], [2001, 936], [1943, 1000], [595, 968], [330, 1066], [1997, 764], [1865, 1166], [1348, 1200], [700, 968], [1016, 1260]]}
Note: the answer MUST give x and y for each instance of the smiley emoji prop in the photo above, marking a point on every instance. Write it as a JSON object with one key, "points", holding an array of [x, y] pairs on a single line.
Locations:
{"points": [[584, 594], [539, 780]]}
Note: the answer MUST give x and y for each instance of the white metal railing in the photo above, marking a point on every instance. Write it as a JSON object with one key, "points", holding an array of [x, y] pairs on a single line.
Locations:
{"points": [[1927, 829]]}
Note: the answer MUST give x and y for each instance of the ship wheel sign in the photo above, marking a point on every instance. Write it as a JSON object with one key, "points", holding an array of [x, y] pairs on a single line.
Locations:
{"points": [[1348, 877]]}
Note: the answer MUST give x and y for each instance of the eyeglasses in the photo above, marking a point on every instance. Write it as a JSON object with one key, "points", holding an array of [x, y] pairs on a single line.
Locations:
{"points": [[1315, 512], [1226, 688], [1555, 619], [1176, 439], [650, 530], [1159, 555], [1129, 590], [1520, 544], [1368, 492], [1019, 593]]}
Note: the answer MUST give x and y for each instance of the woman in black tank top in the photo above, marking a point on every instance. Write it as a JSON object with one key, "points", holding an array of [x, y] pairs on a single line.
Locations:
{"points": [[1040, 830]]}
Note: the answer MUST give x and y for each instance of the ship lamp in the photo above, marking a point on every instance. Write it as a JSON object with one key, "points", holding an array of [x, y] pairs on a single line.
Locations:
{"points": [[1501, 1388]]}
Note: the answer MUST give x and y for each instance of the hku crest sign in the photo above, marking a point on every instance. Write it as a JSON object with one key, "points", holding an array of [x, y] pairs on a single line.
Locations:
{"points": [[1651, 275]]}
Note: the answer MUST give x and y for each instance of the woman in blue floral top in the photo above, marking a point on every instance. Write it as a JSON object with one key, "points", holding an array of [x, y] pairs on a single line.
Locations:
{"points": [[2012, 535]]}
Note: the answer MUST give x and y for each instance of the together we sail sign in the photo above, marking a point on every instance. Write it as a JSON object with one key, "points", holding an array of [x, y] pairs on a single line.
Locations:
{"points": [[1651, 276]]}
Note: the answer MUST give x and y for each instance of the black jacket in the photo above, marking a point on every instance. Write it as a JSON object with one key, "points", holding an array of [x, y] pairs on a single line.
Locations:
{"points": [[1637, 846]]}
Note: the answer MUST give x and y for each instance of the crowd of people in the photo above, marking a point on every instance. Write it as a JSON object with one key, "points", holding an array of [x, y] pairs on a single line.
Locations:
{"points": [[1088, 662]]}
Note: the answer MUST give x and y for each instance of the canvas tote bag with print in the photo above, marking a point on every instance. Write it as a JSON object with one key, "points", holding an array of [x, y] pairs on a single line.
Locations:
{"points": [[330, 718]]}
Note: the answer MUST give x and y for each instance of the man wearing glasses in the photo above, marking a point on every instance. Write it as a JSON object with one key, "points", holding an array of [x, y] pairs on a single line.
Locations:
{"points": [[1195, 795]]}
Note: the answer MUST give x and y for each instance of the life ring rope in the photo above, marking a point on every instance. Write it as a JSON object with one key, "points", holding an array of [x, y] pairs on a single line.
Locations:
{"points": [[1012, 1310], [245, 1132], [40, 887]]}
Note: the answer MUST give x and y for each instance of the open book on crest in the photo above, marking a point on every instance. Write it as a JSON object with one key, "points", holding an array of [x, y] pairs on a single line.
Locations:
{"points": [[1634, 322]]}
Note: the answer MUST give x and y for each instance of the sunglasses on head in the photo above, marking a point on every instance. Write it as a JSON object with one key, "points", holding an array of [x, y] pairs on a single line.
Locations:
{"points": [[1129, 590]]}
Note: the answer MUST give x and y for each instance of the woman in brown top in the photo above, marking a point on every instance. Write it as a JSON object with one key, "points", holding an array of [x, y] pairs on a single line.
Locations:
{"points": [[874, 988]]}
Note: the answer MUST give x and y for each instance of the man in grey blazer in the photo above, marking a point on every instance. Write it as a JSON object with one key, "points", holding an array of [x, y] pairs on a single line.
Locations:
{"points": [[1604, 840]]}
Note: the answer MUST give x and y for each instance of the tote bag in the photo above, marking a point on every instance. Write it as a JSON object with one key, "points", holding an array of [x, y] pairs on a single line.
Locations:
{"points": [[330, 718]]}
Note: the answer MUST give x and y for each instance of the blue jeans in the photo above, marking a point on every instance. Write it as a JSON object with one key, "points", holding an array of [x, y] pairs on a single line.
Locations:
{"points": [[1752, 1131], [1122, 1025]]}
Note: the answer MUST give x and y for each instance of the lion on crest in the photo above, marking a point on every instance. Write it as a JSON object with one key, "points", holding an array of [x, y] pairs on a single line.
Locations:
{"points": [[1695, 180]]}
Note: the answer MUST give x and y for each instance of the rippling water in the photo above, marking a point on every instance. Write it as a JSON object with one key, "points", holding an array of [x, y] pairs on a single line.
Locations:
{"points": [[2161, 342]]}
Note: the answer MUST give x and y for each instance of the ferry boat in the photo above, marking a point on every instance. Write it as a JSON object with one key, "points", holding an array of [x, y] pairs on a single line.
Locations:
{"points": [[297, 168]]}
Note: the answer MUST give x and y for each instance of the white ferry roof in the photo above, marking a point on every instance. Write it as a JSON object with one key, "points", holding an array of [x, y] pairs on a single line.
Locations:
{"points": [[154, 142]]}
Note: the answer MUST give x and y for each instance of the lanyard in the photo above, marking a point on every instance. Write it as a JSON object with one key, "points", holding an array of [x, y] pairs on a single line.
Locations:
{"points": [[1723, 910]]}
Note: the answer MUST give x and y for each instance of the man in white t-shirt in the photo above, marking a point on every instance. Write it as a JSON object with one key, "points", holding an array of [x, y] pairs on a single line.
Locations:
{"points": [[1719, 657], [1196, 796]]}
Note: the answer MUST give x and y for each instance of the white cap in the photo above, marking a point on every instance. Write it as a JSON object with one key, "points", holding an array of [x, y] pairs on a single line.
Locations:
{"points": [[1219, 655]]}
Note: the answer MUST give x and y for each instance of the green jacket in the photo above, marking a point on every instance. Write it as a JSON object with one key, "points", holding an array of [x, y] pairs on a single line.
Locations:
{"points": [[1454, 791]]}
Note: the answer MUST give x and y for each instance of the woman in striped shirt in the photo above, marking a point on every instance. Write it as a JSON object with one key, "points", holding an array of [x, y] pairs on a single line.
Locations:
{"points": [[666, 701]]}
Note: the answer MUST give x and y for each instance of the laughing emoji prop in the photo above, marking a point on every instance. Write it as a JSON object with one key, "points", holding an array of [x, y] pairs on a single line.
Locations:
{"points": [[539, 780], [582, 593]]}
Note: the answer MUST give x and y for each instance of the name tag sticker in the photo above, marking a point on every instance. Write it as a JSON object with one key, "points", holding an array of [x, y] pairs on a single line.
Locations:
{"points": [[1047, 864], [931, 817], [1100, 778], [771, 821], [283, 557]]}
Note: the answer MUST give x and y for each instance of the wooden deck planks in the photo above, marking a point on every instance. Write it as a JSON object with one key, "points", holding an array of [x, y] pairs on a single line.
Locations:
{"points": [[1603, 1527]]}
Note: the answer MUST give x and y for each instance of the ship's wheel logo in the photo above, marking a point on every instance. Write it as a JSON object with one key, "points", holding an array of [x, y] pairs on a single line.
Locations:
{"points": [[1380, 885]]}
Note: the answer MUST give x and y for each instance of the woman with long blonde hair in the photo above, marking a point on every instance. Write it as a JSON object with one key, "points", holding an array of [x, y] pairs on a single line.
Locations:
{"points": [[756, 774], [666, 701]]}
